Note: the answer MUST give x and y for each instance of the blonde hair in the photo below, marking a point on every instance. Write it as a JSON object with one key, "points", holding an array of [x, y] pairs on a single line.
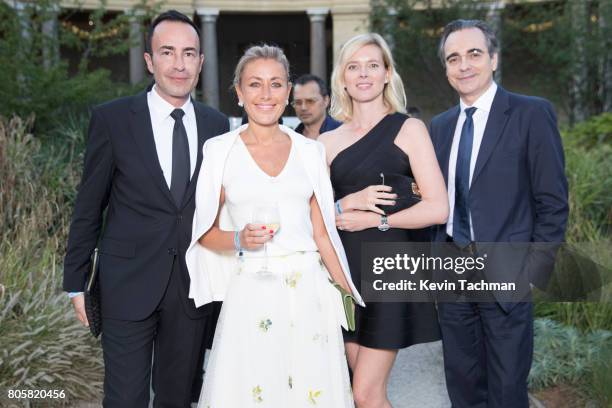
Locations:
{"points": [[394, 95], [263, 51]]}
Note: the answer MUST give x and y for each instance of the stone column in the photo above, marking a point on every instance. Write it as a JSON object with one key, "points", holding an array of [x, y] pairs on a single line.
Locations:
{"points": [[24, 19], [50, 37], [137, 48], [495, 20], [389, 25], [318, 43], [210, 71]]}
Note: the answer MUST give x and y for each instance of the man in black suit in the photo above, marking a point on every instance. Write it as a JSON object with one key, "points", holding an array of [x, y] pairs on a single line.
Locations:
{"points": [[502, 159], [141, 165]]}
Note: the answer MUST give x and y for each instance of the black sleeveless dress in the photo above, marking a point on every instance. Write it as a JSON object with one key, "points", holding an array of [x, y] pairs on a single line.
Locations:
{"points": [[381, 325]]}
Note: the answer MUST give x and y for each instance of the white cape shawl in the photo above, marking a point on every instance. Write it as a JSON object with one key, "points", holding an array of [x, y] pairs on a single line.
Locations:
{"points": [[210, 271]]}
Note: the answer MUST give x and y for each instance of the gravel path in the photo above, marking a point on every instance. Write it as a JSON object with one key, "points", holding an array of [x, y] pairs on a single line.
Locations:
{"points": [[417, 378]]}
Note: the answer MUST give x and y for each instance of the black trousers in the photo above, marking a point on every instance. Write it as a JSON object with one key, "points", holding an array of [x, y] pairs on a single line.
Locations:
{"points": [[487, 353], [168, 345]]}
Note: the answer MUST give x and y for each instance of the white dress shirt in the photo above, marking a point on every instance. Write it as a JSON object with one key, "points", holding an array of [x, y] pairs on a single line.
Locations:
{"points": [[163, 125], [480, 116]]}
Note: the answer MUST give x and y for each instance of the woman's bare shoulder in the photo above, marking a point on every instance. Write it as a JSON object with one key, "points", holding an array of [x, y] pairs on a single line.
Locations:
{"points": [[329, 136], [332, 141], [412, 129]]}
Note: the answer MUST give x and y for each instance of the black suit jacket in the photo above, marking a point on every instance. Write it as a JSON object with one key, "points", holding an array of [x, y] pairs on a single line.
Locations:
{"points": [[144, 230], [519, 190]]}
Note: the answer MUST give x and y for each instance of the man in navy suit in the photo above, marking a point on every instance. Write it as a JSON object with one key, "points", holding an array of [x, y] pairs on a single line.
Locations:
{"points": [[502, 160], [143, 156]]}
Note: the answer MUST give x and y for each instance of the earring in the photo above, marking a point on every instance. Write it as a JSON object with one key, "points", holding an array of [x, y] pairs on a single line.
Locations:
{"points": [[287, 102], [240, 104]]}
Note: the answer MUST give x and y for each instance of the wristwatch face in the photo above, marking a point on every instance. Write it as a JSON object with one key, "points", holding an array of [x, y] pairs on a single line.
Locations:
{"points": [[384, 226]]}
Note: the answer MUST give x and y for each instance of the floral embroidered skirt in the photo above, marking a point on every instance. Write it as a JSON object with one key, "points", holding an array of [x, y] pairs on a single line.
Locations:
{"points": [[278, 342]]}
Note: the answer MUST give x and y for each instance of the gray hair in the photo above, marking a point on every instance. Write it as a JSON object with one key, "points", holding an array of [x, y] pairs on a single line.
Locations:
{"points": [[256, 52], [458, 25]]}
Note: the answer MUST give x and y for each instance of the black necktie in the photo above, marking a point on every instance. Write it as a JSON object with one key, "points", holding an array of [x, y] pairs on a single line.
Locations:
{"points": [[461, 214], [181, 167]]}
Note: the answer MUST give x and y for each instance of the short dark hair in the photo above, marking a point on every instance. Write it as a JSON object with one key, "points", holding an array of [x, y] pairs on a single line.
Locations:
{"points": [[458, 25], [304, 79], [170, 15]]}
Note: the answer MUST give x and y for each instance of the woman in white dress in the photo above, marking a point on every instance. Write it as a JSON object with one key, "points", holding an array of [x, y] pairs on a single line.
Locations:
{"points": [[278, 342]]}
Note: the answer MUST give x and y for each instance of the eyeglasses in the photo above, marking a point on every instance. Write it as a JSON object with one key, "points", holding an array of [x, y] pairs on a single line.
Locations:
{"points": [[307, 102]]}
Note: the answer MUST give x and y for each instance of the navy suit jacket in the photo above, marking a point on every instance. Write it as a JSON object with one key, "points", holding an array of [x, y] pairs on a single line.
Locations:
{"points": [[144, 230], [519, 190], [328, 124]]}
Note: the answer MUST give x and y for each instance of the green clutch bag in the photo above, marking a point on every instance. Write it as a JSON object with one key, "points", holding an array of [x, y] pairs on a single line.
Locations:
{"points": [[348, 303]]}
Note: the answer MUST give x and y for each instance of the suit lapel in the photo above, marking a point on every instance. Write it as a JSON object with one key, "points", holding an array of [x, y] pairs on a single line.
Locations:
{"points": [[496, 122], [203, 134], [142, 130], [446, 141]]}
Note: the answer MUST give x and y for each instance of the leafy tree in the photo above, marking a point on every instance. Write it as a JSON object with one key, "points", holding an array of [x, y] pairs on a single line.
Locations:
{"points": [[556, 49], [35, 79]]}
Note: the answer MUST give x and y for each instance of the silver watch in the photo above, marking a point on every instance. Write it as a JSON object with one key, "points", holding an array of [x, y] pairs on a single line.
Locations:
{"points": [[384, 225]]}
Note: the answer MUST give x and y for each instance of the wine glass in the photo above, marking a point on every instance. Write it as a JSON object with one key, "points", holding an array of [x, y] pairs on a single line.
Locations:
{"points": [[268, 215]]}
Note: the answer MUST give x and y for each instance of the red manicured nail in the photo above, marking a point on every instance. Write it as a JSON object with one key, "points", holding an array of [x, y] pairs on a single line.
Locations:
{"points": [[263, 227], [271, 231]]}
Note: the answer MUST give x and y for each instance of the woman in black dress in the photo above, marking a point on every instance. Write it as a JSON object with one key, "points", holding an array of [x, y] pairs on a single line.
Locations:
{"points": [[378, 137]]}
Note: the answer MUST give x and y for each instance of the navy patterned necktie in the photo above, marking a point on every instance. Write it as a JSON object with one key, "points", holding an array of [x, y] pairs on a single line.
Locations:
{"points": [[461, 214], [181, 166]]}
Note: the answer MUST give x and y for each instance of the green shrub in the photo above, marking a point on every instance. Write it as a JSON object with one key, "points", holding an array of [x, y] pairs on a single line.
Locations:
{"points": [[591, 134], [600, 378], [562, 354], [42, 345], [575, 346], [584, 316], [588, 148]]}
